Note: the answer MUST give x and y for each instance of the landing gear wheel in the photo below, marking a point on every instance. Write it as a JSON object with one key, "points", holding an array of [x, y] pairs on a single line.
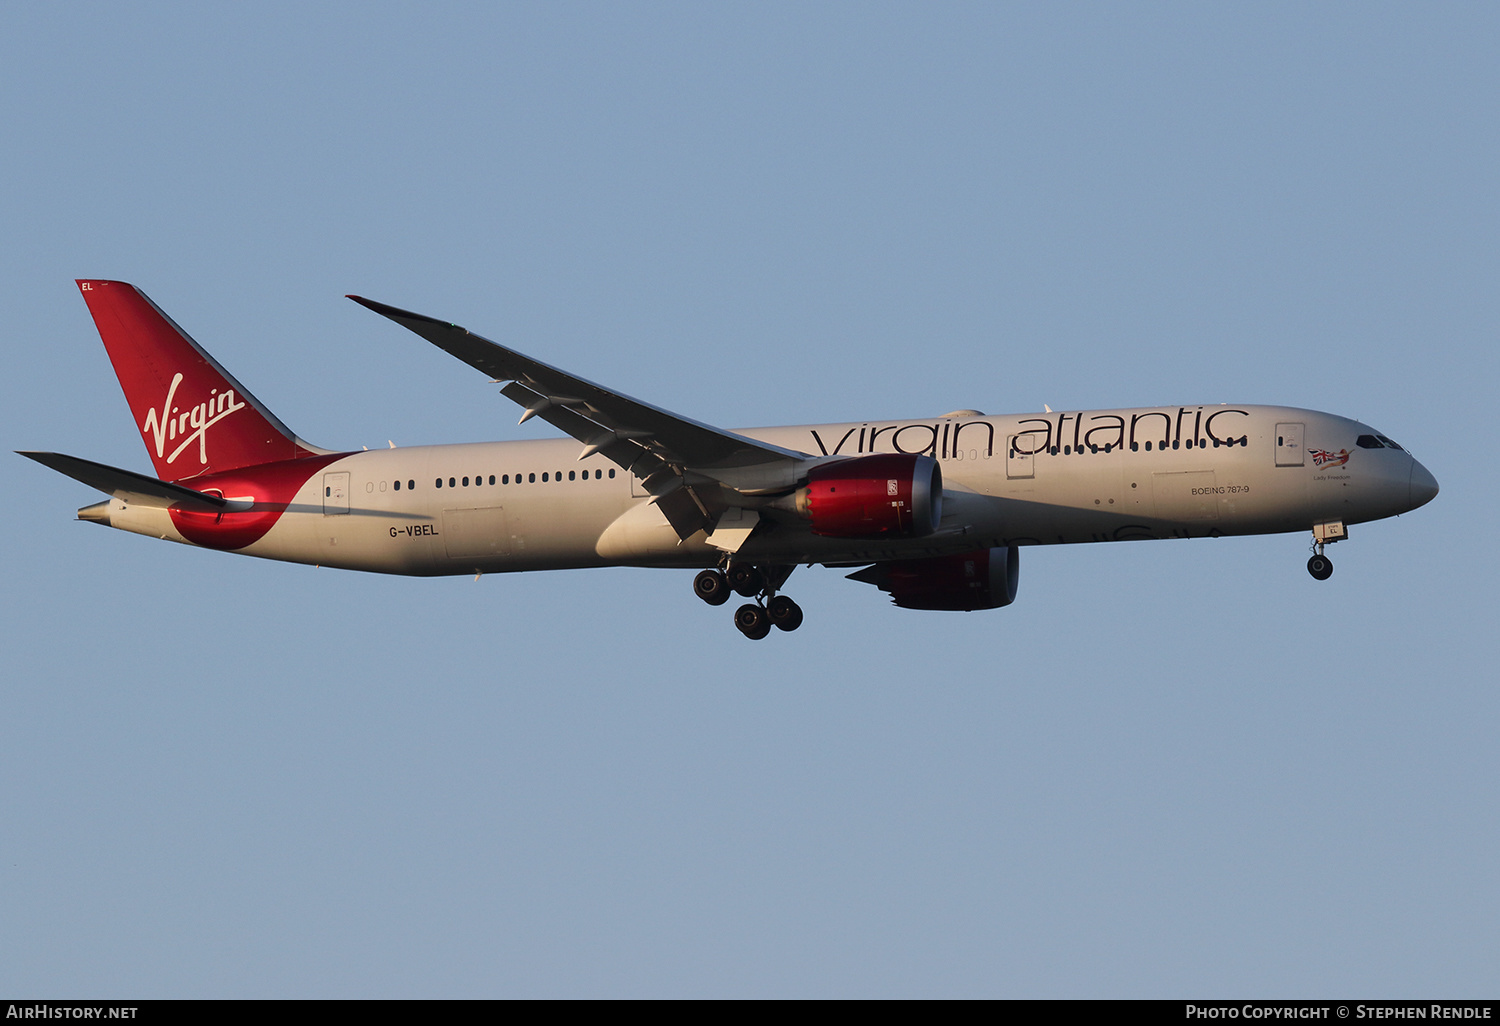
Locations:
{"points": [[1321, 567], [711, 587], [746, 579], [784, 613], [752, 621]]}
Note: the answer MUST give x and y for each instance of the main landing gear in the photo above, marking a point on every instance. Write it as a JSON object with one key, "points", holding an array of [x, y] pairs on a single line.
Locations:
{"points": [[754, 619]]}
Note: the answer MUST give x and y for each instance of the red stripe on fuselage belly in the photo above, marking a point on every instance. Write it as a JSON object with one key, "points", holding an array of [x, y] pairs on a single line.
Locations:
{"points": [[271, 488]]}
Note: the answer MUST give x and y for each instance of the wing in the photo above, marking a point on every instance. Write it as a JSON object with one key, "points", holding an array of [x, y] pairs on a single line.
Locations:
{"points": [[686, 465], [127, 485]]}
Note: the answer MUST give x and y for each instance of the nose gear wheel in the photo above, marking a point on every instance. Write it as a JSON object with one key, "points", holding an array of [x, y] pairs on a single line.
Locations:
{"points": [[1320, 566]]}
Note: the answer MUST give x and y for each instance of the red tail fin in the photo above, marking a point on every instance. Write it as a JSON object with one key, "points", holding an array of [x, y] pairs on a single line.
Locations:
{"points": [[195, 418]]}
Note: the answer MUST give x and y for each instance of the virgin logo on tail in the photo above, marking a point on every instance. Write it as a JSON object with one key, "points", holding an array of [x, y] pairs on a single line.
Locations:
{"points": [[171, 423]]}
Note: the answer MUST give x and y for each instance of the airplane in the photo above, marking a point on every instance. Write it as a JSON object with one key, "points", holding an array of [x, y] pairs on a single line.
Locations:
{"points": [[932, 511]]}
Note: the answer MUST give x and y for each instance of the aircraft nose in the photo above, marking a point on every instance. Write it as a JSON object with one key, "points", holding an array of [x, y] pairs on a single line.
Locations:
{"points": [[1424, 486]]}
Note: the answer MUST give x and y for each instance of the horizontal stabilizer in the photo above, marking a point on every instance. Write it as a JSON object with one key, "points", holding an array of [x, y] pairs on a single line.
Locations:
{"points": [[127, 485]]}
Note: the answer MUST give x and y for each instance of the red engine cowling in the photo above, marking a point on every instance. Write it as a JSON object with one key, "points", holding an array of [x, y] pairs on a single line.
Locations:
{"points": [[893, 494], [985, 579]]}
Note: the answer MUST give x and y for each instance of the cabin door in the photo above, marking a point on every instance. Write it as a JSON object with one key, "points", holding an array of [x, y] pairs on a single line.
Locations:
{"points": [[1019, 457], [1289, 445], [335, 494]]}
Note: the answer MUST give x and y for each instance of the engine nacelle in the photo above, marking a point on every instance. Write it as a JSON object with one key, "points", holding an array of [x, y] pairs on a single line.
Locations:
{"points": [[985, 579], [888, 494]]}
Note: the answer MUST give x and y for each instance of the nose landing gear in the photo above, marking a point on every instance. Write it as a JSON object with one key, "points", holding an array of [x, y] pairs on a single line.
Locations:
{"points": [[754, 619], [1320, 566]]}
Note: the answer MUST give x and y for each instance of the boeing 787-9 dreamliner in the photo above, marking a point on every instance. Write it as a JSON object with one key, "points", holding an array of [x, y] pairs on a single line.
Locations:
{"points": [[933, 511]]}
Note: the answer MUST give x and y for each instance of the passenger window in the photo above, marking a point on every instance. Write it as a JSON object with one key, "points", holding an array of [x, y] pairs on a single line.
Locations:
{"points": [[451, 484], [611, 471], [572, 475], [411, 486], [466, 482], [531, 478], [492, 479], [1148, 446], [398, 486], [438, 482]]}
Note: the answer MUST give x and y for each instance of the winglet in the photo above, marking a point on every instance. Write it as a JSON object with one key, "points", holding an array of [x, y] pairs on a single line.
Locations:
{"points": [[397, 314]]}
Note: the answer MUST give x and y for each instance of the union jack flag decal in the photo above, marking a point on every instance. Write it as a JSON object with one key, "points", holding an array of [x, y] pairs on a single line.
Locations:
{"points": [[1323, 458]]}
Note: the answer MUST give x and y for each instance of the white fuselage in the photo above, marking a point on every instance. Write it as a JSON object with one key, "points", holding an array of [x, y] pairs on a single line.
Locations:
{"points": [[1045, 478]]}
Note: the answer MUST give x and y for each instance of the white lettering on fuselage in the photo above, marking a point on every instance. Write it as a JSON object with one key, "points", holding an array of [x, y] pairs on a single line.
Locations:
{"points": [[171, 422]]}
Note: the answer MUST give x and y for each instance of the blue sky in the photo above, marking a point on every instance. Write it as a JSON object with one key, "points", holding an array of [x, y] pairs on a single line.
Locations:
{"points": [[1169, 769]]}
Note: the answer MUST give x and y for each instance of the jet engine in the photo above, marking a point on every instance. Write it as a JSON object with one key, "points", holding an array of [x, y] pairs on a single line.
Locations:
{"points": [[984, 579], [885, 495]]}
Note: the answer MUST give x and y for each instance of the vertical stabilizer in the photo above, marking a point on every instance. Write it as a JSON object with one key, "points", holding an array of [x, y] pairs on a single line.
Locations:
{"points": [[193, 416]]}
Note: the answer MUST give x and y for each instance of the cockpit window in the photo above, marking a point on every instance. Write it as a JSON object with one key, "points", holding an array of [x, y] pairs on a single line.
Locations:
{"points": [[1368, 442], [1388, 442]]}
